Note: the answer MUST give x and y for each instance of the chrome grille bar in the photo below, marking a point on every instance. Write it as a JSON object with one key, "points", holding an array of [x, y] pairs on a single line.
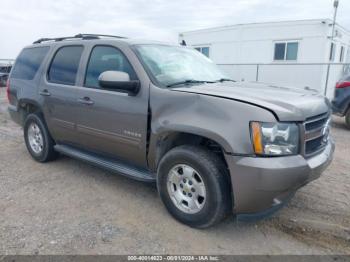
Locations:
{"points": [[316, 131]]}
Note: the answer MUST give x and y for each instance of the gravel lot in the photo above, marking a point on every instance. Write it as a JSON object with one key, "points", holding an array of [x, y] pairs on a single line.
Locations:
{"points": [[69, 207]]}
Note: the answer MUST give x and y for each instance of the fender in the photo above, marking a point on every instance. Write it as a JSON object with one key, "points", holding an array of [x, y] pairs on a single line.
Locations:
{"points": [[224, 121], [161, 142]]}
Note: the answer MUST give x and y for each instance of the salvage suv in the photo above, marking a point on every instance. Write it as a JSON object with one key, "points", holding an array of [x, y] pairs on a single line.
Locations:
{"points": [[4, 73], [165, 113], [341, 101]]}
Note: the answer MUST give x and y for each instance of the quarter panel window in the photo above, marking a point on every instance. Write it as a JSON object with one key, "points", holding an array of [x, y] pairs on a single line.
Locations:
{"points": [[28, 62], [65, 64], [106, 58]]}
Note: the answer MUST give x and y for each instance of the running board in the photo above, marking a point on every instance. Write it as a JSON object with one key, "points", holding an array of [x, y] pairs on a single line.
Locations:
{"points": [[108, 164]]}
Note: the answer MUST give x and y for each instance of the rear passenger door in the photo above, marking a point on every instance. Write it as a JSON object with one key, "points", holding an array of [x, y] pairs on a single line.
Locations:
{"points": [[59, 94], [110, 122]]}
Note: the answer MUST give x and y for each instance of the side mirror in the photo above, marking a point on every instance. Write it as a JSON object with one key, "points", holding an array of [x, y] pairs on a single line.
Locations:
{"points": [[117, 80]]}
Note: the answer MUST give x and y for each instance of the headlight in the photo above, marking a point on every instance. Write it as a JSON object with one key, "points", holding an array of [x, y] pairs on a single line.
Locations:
{"points": [[275, 139]]}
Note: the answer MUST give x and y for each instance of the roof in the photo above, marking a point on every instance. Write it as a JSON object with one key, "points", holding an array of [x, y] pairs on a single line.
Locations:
{"points": [[96, 38], [78, 36], [287, 22]]}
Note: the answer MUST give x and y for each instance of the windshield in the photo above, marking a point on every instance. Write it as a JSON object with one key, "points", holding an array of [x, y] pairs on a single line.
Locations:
{"points": [[175, 64]]}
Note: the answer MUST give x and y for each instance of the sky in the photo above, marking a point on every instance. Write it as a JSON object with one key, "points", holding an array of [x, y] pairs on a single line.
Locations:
{"points": [[24, 21]]}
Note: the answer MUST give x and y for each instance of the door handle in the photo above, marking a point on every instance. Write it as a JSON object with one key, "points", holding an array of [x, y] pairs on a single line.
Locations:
{"points": [[86, 101], [45, 93]]}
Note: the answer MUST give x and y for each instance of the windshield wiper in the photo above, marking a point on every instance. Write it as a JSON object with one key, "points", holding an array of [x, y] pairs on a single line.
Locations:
{"points": [[189, 81], [225, 79]]}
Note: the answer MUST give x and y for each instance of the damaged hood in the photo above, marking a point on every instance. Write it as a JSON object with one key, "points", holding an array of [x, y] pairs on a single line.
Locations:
{"points": [[288, 104]]}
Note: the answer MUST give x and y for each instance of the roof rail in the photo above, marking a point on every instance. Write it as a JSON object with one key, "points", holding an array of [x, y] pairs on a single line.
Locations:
{"points": [[94, 36], [80, 36], [54, 39]]}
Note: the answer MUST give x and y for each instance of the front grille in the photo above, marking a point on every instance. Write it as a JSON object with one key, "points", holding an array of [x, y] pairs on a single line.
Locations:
{"points": [[316, 134]]}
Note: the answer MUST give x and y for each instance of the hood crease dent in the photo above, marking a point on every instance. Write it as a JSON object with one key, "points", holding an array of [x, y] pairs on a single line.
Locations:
{"points": [[287, 104]]}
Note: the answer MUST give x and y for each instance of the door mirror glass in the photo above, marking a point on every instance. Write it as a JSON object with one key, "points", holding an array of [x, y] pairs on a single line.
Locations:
{"points": [[118, 80]]}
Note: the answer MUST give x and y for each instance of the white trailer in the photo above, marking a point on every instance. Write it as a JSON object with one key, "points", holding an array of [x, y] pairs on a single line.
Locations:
{"points": [[290, 53]]}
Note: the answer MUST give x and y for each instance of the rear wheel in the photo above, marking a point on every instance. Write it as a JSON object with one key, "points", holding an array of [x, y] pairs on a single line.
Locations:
{"points": [[38, 140], [194, 186], [347, 118]]}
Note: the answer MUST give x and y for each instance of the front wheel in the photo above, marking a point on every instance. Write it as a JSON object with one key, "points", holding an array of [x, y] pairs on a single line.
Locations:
{"points": [[194, 186]]}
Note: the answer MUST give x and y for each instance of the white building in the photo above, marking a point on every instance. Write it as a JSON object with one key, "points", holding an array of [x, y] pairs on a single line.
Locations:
{"points": [[291, 53]]}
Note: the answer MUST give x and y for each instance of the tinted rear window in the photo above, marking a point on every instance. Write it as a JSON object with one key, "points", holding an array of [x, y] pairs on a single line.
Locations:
{"points": [[28, 62], [64, 66]]}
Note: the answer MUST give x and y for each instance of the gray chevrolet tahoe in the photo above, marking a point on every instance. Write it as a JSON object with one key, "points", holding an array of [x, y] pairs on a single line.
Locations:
{"points": [[165, 113]]}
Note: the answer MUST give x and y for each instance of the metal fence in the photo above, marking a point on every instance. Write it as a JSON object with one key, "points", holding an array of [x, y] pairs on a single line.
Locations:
{"points": [[318, 76], [6, 61]]}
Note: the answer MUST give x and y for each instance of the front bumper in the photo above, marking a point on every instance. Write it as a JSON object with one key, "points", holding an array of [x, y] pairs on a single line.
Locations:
{"points": [[261, 185]]}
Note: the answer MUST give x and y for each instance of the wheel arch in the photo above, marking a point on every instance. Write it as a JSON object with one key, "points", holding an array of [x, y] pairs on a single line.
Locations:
{"points": [[347, 108], [28, 106], [163, 142]]}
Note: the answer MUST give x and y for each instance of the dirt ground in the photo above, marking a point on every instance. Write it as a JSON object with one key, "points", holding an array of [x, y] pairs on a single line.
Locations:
{"points": [[69, 207]]}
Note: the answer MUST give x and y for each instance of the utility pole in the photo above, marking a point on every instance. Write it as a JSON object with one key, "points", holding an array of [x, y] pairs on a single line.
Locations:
{"points": [[335, 5]]}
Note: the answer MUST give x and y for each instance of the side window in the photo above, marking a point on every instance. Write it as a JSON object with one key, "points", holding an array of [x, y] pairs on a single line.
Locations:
{"points": [[332, 52], [286, 51], [28, 62], [280, 50], [341, 56], [106, 58], [204, 50], [64, 65], [292, 51]]}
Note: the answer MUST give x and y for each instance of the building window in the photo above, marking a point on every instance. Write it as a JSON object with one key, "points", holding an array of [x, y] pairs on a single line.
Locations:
{"points": [[286, 51], [204, 50], [341, 56], [332, 52]]}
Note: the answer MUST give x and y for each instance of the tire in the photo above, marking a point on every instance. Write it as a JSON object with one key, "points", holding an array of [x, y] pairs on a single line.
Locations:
{"points": [[45, 152], [347, 119], [214, 179]]}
